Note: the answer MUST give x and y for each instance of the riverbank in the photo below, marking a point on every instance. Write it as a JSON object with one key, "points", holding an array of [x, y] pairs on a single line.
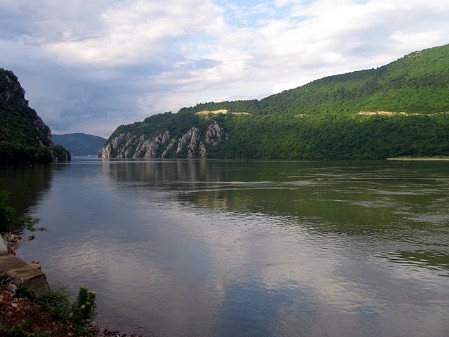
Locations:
{"points": [[23, 312], [439, 158], [19, 315]]}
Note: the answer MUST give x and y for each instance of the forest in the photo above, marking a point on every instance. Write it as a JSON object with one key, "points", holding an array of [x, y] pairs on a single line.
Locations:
{"points": [[399, 109]]}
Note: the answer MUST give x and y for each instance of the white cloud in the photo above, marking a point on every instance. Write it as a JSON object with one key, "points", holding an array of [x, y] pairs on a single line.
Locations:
{"points": [[137, 31], [114, 61]]}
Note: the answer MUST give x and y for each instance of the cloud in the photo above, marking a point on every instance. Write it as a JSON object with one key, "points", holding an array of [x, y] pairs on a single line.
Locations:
{"points": [[136, 32], [90, 66]]}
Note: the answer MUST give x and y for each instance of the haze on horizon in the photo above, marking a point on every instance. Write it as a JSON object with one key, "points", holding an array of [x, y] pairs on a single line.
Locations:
{"points": [[91, 66]]}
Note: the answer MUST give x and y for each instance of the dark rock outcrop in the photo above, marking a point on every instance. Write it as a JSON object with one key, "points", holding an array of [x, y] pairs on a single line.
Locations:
{"points": [[24, 137]]}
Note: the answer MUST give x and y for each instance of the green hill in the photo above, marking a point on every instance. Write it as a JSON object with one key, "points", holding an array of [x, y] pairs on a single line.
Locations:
{"points": [[400, 109], [24, 137], [80, 144]]}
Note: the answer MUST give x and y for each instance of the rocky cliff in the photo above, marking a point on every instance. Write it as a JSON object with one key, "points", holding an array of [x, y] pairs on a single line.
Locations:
{"points": [[191, 144], [24, 137]]}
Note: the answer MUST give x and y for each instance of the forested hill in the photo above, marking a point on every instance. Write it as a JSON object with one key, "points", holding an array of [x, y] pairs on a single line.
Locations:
{"points": [[80, 144], [400, 109], [24, 137]]}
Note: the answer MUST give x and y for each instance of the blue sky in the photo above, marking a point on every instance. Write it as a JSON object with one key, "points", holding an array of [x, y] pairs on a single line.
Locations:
{"points": [[89, 66]]}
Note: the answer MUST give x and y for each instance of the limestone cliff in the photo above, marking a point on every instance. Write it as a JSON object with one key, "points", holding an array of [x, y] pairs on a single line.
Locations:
{"points": [[190, 144]]}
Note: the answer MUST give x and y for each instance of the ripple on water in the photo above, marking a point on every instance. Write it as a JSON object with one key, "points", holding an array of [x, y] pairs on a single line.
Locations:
{"points": [[428, 259]]}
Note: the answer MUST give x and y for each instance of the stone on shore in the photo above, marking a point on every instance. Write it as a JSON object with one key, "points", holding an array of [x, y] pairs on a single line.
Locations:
{"points": [[21, 273], [3, 246]]}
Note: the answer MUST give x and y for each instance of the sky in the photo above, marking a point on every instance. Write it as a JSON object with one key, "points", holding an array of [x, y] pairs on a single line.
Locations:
{"points": [[90, 66]]}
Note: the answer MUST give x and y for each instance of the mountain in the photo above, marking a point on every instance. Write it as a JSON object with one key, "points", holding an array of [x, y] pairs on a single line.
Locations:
{"points": [[400, 109], [80, 144], [24, 137]]}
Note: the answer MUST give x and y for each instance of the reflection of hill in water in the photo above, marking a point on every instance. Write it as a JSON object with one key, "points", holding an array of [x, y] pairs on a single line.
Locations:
{"points": [[382, 199], [203, 174], [422, 258], [172, 172], [26, 185]]}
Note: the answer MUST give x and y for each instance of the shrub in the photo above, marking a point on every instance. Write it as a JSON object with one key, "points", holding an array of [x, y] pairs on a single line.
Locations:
{"points": [[84, 308]]}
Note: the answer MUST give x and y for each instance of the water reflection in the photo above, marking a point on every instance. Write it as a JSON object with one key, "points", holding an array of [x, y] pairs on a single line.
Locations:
{"points": [[216, 248], [422, 258], [267, 312], [26, 185], [367, 198]]}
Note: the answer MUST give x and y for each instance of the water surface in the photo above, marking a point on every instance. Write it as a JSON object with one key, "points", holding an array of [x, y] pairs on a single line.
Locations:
{"points": [[249, 248]]}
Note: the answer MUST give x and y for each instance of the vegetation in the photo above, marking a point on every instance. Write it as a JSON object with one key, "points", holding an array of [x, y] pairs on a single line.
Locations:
{"points": [[24, 138], [9, 219], [56, 302], [337, 137], [400, 109], [49, 314], [416, 83]]}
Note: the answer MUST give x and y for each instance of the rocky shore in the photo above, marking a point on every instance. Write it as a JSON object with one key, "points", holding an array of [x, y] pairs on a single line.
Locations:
{"points": [[15, 272], [22, 316]]}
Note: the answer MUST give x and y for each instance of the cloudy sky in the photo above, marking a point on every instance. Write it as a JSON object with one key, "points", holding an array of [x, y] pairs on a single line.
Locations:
{"points": [[89, 66]]}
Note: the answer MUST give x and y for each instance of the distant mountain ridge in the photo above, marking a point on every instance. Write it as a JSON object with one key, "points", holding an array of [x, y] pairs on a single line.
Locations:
{"points": [[80, 144], [400, 109], [24, 137]]}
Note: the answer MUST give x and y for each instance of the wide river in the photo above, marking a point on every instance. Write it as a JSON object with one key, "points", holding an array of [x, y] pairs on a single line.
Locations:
{"points": [[247, 248]]}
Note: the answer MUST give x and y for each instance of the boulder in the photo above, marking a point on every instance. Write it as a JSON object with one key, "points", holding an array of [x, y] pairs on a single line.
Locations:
{"points": [[3, 246], [19, 272]]}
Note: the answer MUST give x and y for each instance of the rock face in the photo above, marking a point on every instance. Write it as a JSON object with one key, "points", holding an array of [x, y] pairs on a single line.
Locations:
{"points": [[215, 134], [191, 144], [10, 89], [151, 148]]}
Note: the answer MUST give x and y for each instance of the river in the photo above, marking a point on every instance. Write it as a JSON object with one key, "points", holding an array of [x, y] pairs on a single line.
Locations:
{"points": [[247, 248]]}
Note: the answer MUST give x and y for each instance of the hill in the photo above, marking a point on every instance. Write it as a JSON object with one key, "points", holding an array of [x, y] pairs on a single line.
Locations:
{"points": [[400, 109], [80, 144], [24, 137]]}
